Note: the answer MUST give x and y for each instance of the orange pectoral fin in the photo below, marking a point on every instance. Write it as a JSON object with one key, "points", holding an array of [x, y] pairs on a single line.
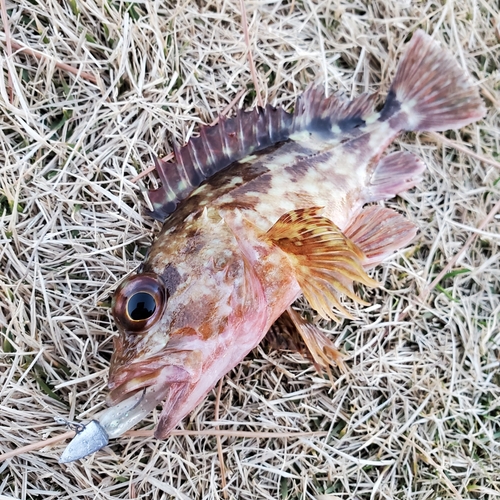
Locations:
{"points": [[325, 261]]}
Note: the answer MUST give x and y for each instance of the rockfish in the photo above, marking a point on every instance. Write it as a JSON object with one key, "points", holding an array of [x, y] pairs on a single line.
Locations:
{"points": [[258, 210]]}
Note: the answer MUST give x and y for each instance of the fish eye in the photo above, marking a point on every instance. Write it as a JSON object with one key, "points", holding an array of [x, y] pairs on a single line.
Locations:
{"points": [[138, 302], [141, 306]]}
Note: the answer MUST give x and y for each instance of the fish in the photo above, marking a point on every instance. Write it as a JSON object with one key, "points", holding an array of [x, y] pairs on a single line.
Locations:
{"points": [[260, 209]]}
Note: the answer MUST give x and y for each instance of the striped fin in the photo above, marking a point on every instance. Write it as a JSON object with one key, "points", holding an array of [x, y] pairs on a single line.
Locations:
{"points": [[430, 90], [394, 174], [215, 149], [248, 132], [379, 232], [330, 116], [325, 262]]}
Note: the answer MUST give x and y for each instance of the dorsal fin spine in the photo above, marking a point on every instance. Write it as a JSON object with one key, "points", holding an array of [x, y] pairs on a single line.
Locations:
{"points": [[204, 139], [195, 159], [248, 132], [182, 168]]}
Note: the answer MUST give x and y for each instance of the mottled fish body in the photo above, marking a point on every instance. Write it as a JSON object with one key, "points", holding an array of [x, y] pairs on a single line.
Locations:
{"points": [[262, 208]]}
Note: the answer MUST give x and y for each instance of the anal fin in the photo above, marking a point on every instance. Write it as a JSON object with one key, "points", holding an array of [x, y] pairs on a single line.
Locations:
{"points": [[378, 232], [325, 261], [394, 174]]}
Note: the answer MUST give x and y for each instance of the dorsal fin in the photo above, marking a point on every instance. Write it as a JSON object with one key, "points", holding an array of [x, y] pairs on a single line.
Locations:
{"points": [[215, 149], [330, 116], [248, 132]]}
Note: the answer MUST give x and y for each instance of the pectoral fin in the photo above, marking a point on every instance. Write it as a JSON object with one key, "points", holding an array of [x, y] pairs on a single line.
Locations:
{"points": [[325, 261]]}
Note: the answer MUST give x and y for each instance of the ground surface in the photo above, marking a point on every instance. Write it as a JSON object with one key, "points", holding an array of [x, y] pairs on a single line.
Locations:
{"points": [[417, 414]]}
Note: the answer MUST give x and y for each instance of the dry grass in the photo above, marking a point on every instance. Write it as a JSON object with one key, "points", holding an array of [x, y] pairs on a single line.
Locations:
{"points": [[417, 415]]}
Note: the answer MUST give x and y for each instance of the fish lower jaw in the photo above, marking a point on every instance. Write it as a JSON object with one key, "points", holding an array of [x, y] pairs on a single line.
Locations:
{"points": [[130, 387], [121, 417], [135, 399]]}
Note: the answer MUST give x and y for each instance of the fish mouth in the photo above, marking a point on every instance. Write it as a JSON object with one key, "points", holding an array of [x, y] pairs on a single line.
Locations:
{"points": [[131, 409], [131, 399], [131, 386], [138, 388], [169, 366]]}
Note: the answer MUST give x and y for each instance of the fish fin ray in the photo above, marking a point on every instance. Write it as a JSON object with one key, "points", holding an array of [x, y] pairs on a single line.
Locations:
{"points": [[324, 260], [232, 139], [321, 349], [283, 335], [394, 174], [430, 90], [378, 232], [214, 149]]}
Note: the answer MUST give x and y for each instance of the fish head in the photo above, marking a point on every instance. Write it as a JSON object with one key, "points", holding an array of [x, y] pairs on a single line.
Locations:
{"points": [[196, 310]]}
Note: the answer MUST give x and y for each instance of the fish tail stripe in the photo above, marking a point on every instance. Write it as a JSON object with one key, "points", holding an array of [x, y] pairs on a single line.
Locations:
{"points": [[281, 125], [430, 90], [161, 168], [332, 115]]}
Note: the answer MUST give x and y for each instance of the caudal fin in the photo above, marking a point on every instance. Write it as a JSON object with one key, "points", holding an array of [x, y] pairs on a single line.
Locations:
{"points": [[430, 90]]}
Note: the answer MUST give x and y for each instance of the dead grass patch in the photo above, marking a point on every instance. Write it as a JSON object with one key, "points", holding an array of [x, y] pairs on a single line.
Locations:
{"points": [[418, 414]]}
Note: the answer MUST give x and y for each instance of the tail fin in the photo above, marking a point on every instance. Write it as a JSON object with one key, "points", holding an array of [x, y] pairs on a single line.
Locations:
{"points": [[430, 90]]}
